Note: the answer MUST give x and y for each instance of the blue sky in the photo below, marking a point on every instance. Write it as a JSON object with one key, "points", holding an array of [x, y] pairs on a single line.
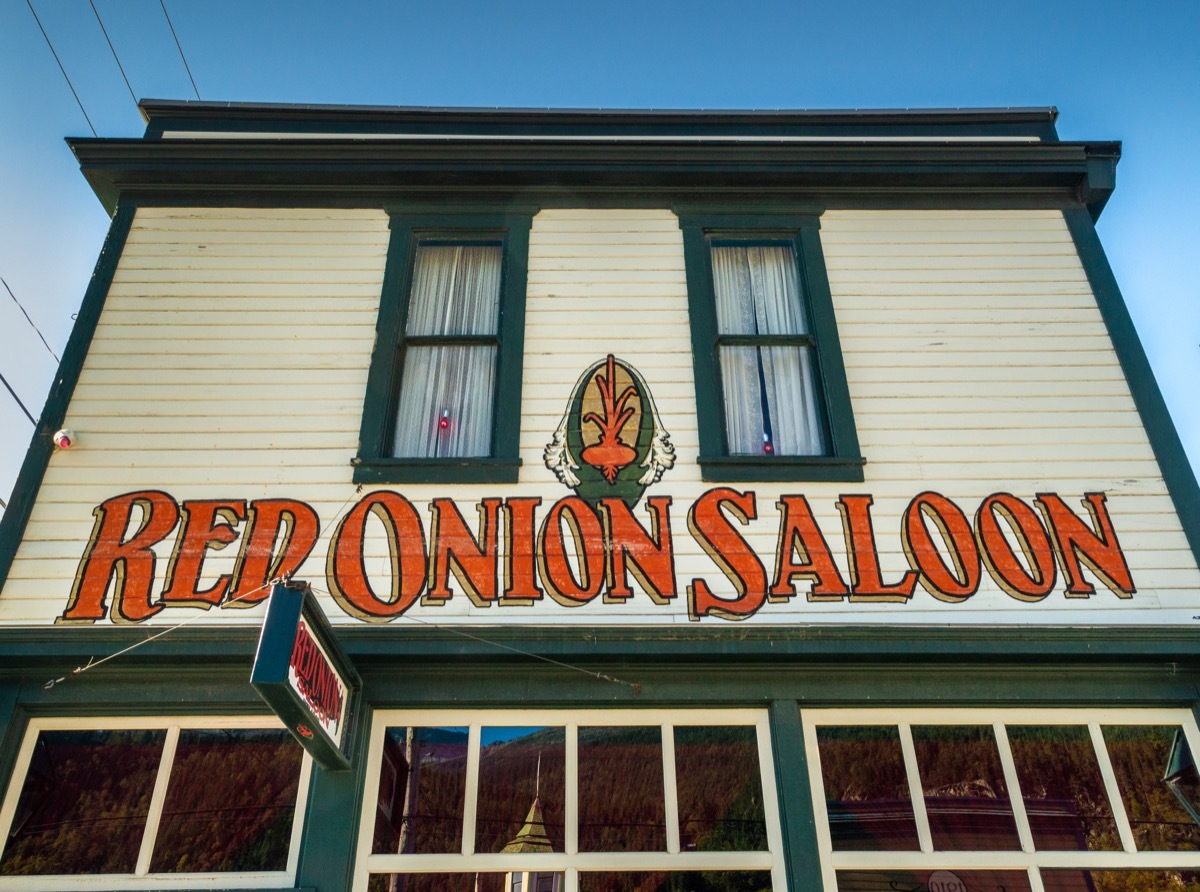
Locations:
{"points": [[1127, 71]]}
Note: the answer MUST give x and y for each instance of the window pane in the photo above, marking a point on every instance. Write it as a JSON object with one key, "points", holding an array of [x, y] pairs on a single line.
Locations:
{"points": [[1139, 756], [966, 797], [445, 405], [677, 881], [522, 779], [83, 806], [866, 789], [933, 881], [757, 290], [441, 882], [621, 804], [770, 401], [422, 786], [719, 789], [230, 802], [1063, 789], [455, 290], [1120, 881]]}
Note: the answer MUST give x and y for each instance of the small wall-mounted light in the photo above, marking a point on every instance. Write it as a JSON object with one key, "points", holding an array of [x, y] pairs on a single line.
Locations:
{"points": [[65, 438]]}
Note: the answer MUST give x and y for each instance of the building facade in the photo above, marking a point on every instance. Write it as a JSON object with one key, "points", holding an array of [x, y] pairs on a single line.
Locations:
{"points": [[776, 501]]}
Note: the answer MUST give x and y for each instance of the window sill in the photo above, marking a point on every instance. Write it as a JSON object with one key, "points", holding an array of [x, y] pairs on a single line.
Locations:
{"points": [[763, 468], [436, 470]]}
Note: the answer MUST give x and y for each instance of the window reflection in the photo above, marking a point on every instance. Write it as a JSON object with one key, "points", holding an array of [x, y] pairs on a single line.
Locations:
{"points": [[230, 802], [677, 881], [935, 881], [422, 786], [84, 803], [621, 805], [1120, 881], [966, 796], [1062, 788], [522, 781], [1139, 755], [866, 789], [719, 789]]}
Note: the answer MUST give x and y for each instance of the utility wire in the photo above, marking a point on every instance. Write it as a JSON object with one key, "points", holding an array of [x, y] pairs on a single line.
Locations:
{"points": [[32, 420], [177, 46], [63, 70], [30, 321], [114, 52]]}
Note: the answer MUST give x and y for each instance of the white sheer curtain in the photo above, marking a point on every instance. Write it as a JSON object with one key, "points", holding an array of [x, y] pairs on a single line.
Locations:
{"points": [[446, 390], [770, 398]]}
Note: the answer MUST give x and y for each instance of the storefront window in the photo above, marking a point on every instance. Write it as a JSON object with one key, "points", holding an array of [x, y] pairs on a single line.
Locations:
{"points": [[146, 798], [604, 801], [1060, 800]]}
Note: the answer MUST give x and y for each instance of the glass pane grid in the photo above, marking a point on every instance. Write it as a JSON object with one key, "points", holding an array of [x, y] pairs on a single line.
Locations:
{"points": [[608, 839], [1078, 792], [133, 778]]}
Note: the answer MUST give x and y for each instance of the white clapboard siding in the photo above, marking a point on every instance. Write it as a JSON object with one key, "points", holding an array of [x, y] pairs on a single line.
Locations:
{"points": [[231, 361]]}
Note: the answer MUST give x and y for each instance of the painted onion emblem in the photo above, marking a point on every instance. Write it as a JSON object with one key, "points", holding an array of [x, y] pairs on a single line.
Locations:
{"points": [[610, 442]]}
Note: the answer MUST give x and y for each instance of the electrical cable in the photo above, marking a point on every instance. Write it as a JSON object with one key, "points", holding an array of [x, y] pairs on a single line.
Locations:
{"points": [[114, 52], [32, 420], [177, 46], [60, 66], [30, 321]]}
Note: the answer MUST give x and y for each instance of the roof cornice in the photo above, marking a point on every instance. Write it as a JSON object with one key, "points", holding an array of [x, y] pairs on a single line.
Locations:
{"points": [[374, 172]]}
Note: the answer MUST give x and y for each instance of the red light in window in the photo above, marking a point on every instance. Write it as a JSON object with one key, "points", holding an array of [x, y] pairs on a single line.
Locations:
{"points": [[444, 421], [767, 448]]}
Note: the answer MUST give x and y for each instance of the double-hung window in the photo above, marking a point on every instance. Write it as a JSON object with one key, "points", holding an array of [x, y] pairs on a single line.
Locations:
{"points": [[770, 384], [443, 394]]}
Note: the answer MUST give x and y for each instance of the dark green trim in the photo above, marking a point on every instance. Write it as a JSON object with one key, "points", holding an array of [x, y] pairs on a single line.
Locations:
{"points": [[1156, 419], [802, 855], [41, 446], [53, 651], [374, 464], [844, 461], [167, 115], [695, 170]]}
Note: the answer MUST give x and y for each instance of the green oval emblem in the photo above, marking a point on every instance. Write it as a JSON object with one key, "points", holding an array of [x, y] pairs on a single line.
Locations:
{"points": [[610, 442]]}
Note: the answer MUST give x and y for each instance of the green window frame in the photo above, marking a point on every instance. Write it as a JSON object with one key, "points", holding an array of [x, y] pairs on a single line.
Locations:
{"points": [[842, 459], [375, 462]]}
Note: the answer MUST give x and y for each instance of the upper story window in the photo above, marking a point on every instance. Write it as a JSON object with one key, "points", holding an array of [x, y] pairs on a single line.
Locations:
{"points": [[443, 395], [770, 385]]}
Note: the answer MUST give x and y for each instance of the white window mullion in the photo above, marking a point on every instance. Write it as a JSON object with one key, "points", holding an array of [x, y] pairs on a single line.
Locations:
{"points": [[474, 733], [571, 805], [157, 799], [1035, 880], [916, 791], [1112, 788], [670, 790], [571, 880], [1015, 798]]}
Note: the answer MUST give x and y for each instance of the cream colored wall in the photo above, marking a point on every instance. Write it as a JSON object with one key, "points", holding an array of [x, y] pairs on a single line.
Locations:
{"points": [[231, 360]]}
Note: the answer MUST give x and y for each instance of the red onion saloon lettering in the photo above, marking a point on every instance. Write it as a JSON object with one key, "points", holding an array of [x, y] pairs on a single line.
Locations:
{"points": [[314, 679], [517, 554]]}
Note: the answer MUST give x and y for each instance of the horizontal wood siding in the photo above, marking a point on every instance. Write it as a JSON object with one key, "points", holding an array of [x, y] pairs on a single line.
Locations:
{"points": [[232, 356]]}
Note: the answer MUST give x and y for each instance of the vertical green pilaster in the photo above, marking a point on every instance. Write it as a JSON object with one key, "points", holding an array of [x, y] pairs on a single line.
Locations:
{"points": [[330, 839], [802, 857]]}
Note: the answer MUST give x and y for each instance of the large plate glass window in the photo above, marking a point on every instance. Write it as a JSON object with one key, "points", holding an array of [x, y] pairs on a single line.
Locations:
{"points": [[1040, 800], [770, 384], [561, 802], [443, 393], [143, 803]]}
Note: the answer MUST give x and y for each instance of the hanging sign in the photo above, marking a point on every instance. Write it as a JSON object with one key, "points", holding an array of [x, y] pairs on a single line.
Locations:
{"points": [[302, 674]]}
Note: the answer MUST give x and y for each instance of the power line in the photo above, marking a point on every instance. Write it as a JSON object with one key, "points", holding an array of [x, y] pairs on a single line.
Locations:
{"points": [[60, 68], [114, 52], [30, 321], [32, 420], [180, 48]]}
